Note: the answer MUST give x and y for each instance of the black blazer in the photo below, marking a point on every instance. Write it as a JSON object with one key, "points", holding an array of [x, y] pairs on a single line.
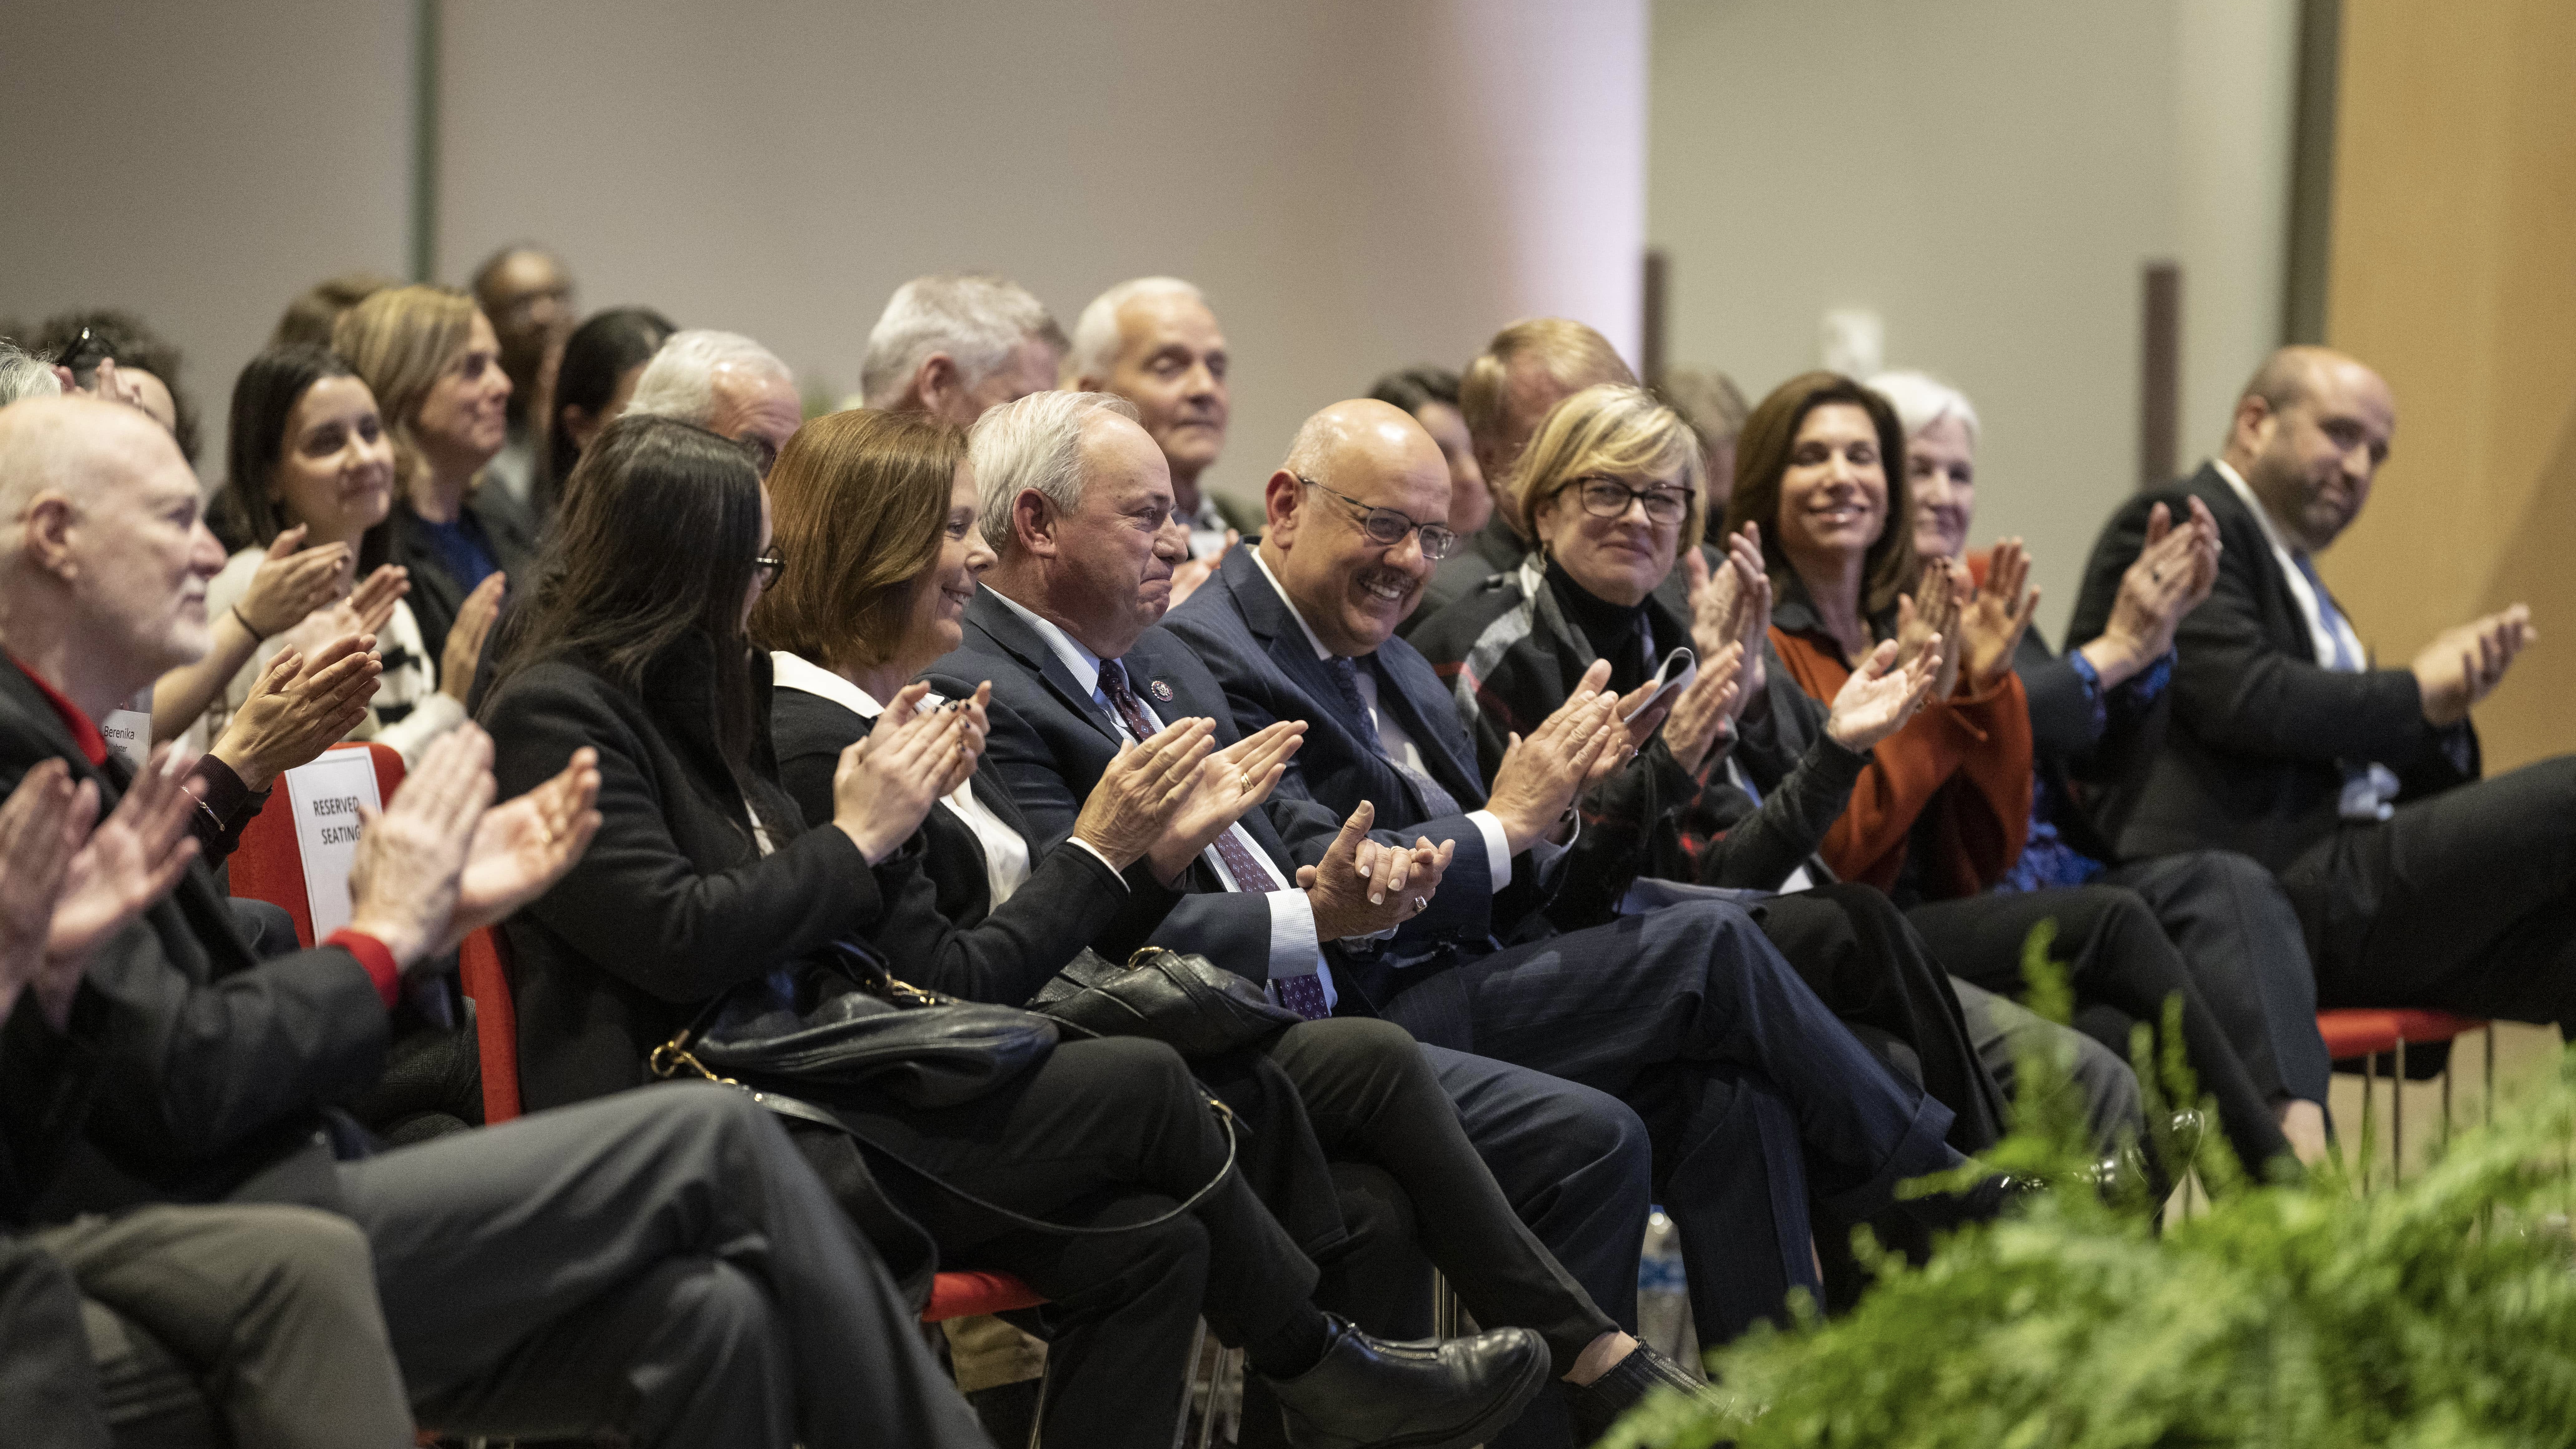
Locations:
{"points": [[1050, 742], [213, 1068], [939, 928], [2249, 761], [435, 595], [673, 904]]}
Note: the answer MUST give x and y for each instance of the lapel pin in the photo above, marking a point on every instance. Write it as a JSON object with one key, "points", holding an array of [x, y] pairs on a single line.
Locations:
{"points": [[1162, 691]]}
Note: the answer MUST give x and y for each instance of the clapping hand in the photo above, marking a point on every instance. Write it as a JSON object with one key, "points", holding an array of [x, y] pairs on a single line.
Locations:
{"points": [[2172, 573], [888, 780], [2463, 665], [407, 882], [293, 581], [1881, 695], [1540, 776], [1362, 888], [523, 846], [464, 650], [1992, 619], [1221, 788], [1927, 625], [366, 610], [298, 708], [32, 860], [1141, 790], [1733, 605], [117, 870]]}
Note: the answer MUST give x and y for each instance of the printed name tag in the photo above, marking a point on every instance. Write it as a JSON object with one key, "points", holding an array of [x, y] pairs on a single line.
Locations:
{"points": [[326, 795], [129, 730]]}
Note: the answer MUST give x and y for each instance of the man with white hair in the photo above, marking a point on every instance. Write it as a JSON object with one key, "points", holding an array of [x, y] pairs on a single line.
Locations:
{"points": [[661, 1265], [1154, 342], [726, 383], [956, 343]]}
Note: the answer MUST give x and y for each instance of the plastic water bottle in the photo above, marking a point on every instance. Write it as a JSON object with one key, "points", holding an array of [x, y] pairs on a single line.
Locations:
{"points": [[1663, 1293]]}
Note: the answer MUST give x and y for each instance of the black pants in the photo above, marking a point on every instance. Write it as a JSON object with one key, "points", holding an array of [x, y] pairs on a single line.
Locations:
{"points": [[2242, 943], [661, 1264], [2463, 902], [1757, 1097], [1102, 1133], [2117, 956], [46, 1377]]}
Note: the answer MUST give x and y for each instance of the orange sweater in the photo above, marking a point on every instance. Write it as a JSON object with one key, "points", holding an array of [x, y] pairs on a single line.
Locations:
{"points": [[1965, 760]]}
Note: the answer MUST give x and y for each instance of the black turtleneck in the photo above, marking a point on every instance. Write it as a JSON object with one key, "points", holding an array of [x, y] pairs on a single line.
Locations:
{"points": [[1617, 632]]}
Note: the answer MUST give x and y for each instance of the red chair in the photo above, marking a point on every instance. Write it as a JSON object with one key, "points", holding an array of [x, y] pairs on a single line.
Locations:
{"points": [[269, 864], [2367, 1034]]}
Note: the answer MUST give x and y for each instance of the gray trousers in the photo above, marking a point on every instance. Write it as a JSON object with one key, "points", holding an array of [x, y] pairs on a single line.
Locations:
{"points": [[266, 1314], [660, 1264], [1999, 1026]]}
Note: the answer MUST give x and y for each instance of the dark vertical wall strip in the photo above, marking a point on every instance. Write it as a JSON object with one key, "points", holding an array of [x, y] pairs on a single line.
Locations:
{"points": [[2312, 159], [1656, 311], [426, 46], [2159, 374]]}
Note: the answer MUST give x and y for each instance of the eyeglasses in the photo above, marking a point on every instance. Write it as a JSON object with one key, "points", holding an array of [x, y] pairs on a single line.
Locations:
{"points": [[769, 567], [1609, 498], [1386, 528]]}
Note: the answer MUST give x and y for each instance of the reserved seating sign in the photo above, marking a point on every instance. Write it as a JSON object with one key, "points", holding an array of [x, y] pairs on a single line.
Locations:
{"points": [[326, 796]]}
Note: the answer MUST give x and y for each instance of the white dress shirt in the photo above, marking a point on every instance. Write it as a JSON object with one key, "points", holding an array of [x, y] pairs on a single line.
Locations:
{"points": [[1207, 527], [1295, 947]]}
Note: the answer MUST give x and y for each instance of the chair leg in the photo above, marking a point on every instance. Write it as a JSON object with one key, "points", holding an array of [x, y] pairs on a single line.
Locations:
{"points": [[1189, 1389], [1448, 1319], [2369, 1094], [2397, 1119], [2490, 1097]]}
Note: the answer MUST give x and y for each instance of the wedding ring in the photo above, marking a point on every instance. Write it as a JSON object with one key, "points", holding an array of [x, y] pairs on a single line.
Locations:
{"points": [[1421, 904], [1243, 783]]}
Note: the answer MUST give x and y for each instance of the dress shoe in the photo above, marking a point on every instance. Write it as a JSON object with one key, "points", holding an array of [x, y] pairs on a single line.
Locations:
{"points": [[1598, 1405], [1436, 1394]]}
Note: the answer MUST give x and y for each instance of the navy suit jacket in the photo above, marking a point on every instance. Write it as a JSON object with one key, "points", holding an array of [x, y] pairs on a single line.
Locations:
{"points": [[1248, 637], [2250, 760], [1051, 741]]}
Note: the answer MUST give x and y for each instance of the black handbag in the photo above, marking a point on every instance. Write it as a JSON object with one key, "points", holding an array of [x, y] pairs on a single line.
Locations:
{"points": [[918, 1047], [1188, 1002], [922, 1048]]}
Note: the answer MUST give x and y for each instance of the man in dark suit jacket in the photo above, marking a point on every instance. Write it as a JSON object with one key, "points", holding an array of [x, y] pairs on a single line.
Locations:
{"points": [[1676, 1008], [2416, 886], [661, 1264]]}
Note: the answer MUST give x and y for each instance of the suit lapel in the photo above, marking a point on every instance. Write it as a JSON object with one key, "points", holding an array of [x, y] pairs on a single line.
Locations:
{"points": [[1409, 687], [1012, 634], [2287, 622]]}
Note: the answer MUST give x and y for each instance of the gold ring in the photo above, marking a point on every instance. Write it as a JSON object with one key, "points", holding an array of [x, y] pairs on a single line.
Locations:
{"points": [[1243, 783]]}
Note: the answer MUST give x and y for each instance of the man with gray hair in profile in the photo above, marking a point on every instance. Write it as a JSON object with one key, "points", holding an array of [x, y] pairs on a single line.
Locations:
{"points": [[956, 343], [1154, 342], [23, 374], [726, 383]]}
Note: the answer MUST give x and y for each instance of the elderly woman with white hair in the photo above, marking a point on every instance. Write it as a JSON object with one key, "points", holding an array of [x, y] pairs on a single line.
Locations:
{"points": [[2091, 712]]}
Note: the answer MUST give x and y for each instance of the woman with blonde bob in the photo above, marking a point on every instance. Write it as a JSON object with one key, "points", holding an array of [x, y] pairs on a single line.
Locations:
{"points": [[879, 512], [432, 361]]}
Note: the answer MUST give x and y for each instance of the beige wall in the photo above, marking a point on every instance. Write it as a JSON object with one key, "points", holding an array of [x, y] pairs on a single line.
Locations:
{"points": [[1357, 185], [200, 164], [1989, 175], [2454, 274]]}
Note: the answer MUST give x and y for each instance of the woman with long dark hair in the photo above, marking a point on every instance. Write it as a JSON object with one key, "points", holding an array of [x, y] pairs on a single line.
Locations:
{"points": [[705, 884], [1941, 810], [601, 361]]}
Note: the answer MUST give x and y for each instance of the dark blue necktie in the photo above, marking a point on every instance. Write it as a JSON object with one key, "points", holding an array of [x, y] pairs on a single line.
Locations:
{"points": [[1436, 802]]}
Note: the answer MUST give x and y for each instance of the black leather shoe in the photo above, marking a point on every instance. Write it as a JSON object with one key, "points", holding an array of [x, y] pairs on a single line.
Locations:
{"points": [[1436, 1394], [1598, 1405]]}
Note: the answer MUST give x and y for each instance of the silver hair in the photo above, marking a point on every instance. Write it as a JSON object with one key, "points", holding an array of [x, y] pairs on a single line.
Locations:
{"points": [[1096, 338], [680, 381], [975, 317], [1920, 400], [1033, 443], [24, 374]]}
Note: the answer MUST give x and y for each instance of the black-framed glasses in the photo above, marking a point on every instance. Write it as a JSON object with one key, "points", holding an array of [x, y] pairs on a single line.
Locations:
{"points": [[769, 567], [1609, 498], [1386, 528]]}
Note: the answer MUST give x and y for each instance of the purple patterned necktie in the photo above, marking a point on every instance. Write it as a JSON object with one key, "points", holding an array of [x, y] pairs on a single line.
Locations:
{"points": [[1303, 995]]}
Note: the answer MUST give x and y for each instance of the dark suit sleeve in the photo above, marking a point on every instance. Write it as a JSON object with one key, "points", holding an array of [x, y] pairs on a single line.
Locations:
{"points": [[636, 904], [1766, 843], [46, 1079], [2061, 709], [1070, 900], [1230, 929]]}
